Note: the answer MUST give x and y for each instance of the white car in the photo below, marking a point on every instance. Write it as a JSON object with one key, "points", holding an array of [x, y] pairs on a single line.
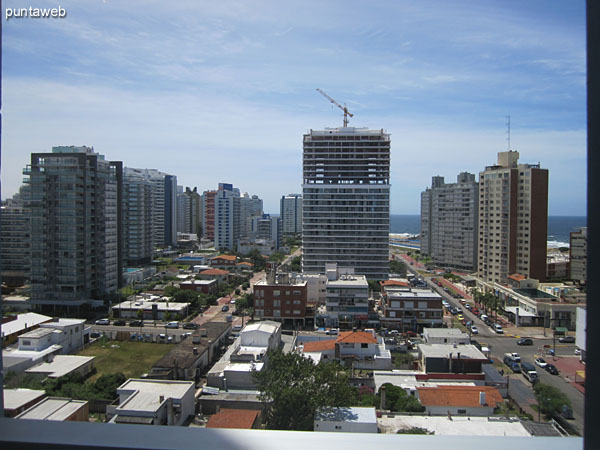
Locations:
{"points": [[172, 325], [498, 329], [474, 329], [103, 322], [540, 362]]}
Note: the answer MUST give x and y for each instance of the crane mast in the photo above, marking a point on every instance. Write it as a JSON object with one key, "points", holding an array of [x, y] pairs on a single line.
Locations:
{"points": [[343, 108]]}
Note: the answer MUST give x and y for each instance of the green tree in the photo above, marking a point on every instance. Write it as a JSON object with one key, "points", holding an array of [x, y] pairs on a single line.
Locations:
{"points": [[296, 264], [550, 399], [398, 400], [293, 388]]}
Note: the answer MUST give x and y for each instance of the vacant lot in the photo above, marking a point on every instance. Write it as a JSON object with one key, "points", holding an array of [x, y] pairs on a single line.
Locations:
{"points": [[131, 358]]}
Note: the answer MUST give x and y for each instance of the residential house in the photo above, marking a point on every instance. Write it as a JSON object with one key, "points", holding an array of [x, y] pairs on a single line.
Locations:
{"points": [[460, 400], [346, 420]]}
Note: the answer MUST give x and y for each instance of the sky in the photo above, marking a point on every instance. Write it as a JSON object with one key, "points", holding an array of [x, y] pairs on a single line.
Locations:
{"points": [[224, 91]]}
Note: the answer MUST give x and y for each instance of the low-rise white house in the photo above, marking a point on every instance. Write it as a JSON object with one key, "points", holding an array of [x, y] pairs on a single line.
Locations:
{"points": [[445, 336], [346, 420], [262, 334], [70, 336], [153, 402]]}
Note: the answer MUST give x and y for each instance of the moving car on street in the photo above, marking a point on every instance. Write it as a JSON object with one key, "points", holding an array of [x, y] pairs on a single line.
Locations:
{"points": [[551, 369], [525, 341], [102, 322]]}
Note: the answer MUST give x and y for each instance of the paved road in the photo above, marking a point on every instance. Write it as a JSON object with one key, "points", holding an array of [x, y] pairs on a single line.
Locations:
{"points": [[501, 344]]}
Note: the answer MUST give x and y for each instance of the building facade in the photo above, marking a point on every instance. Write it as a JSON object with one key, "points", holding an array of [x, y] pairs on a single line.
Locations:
{"points": [[137, 219], [163, 205], [578, 255], [449, 222], [411, 309], [76, 225], [347, 297], [189, 211], [282, 298], [15, 244], [208, 214], [513, 219], [346, 200], [290, 211]]}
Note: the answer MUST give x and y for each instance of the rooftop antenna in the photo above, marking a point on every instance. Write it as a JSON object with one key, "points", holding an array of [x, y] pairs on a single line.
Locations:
{"points": [[508, 131], [343, 108]]}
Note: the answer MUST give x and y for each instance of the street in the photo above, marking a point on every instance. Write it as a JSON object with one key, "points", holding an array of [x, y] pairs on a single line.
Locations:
{"points": [[499, 344]]}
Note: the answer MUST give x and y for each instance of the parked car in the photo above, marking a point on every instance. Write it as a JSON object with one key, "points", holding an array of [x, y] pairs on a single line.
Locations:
{"points": [[525, 341], [577, 351], [333, 331], [95, 335], [172, 325], [498, 329], [540, 362], [516, 356], [475, 311], [551, 369], [460, 317], [162, 337], [102, 322], [225, 308], [119, 323], [567, 339], [514, 366], [136, 323], [469, 307], [190, 326]]}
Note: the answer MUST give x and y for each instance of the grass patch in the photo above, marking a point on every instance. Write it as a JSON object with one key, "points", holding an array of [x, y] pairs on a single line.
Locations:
{"points": [[131, 358]]}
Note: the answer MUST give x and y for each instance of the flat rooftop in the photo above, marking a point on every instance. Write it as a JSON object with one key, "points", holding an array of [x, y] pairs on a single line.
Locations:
{"points": [[445, 333], [63, 322], [146, 393], [52, 408], [22, 322], [147, 305], [455, 426], [15, 398], [38, 333], [443, 350], [413, 293], [61, 365]]}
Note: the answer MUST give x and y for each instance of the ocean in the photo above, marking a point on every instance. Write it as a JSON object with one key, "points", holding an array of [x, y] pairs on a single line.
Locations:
{"points": [[559, 227]]}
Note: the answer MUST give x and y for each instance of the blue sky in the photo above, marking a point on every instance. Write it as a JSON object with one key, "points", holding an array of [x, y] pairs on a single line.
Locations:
{"points": [[223, 91]]}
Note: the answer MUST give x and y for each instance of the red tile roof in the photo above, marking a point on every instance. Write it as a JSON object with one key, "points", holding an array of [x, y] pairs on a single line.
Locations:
{"points": [[394, 283], [214, 272], [233, 418], [244, 263], [516, 277], [319, 346], [458, 396], [226, 257], [360, 337]]}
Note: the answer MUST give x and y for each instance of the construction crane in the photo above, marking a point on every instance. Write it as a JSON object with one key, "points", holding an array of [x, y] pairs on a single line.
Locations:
{"points": [[343, 108]]}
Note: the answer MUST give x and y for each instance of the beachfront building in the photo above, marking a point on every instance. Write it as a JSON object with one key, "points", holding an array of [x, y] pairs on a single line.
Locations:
{"points": [[513, 220], [449, 222]]}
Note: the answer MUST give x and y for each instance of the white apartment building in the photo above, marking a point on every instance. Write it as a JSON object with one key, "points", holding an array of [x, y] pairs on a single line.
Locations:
{"points": [[513, 219], [578, 255], [449, 222], [347, 297], [290, 211], [346, 200]]}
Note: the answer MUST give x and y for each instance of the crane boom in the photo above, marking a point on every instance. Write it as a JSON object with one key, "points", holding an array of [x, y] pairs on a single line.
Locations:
{"points": [[343, 108]]}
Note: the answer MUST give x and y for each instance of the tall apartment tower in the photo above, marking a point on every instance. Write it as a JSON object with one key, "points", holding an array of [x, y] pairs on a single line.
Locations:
{"points": [[346, 200], [578, 255], [208, 214], [189, 210], [76, 234], [449, 222], [290, 211], [164, 205], [137, 219], [513, 219], [227, 217]]}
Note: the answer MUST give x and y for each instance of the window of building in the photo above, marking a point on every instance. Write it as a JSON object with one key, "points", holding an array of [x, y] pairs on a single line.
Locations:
{"points": [[276, 303], [276, 313]]}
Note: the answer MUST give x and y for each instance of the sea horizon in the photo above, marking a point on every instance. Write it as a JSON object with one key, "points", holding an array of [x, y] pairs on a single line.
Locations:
{"points": [[559, 227]]}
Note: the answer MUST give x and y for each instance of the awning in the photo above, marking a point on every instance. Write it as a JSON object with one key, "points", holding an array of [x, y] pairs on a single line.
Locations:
{"points": [[560, 330], [522, 312]]}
